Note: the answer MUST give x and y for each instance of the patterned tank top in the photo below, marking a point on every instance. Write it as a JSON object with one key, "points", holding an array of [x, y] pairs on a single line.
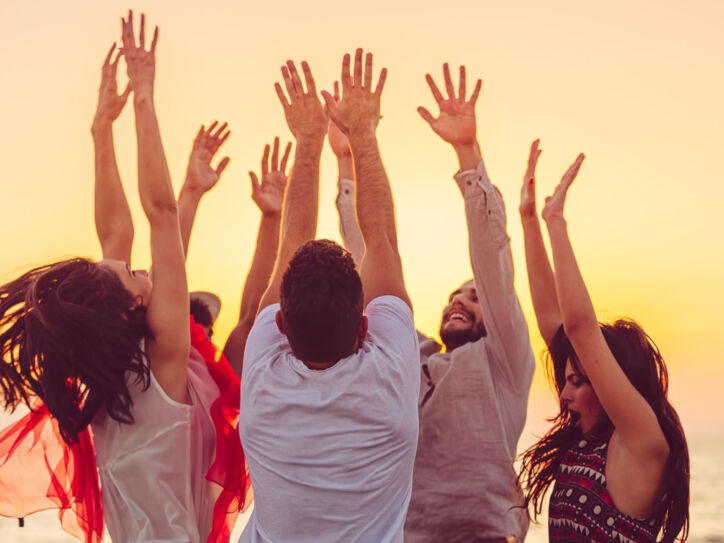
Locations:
{"points": [[581, 509]]}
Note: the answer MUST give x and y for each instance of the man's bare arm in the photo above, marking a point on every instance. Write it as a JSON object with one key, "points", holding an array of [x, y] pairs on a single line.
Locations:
{"points": [[307, 122], [357, 115], [268, 195]]}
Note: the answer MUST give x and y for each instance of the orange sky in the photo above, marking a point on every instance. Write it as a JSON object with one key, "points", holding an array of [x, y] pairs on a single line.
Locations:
{"points": [[637, 86]]}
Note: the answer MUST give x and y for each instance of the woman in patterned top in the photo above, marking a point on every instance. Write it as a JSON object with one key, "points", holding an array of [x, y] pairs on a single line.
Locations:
{"points": [[617, 451]]}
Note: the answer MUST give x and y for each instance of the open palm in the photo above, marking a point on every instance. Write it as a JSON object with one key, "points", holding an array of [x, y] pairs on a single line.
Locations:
{"points": [[268, 194], [456, 122]]}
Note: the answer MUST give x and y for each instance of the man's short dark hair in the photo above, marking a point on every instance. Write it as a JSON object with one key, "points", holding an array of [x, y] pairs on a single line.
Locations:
{"points": [[321, 302], [202, 314]]}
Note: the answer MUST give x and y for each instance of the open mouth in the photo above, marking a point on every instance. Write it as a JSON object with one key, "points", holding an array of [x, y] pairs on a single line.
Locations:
{"points": [[459, 315]]}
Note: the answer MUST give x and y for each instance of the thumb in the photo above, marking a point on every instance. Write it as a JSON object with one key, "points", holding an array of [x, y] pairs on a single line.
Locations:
{"points": [[425, 114], [254, 183], [126, 92], [222, 165]]}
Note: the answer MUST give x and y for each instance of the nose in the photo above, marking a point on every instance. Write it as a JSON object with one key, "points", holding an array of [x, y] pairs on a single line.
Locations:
{"points": [[566, 394]]}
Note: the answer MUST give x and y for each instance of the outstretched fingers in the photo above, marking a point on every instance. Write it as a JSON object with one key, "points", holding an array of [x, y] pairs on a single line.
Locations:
{"points": [[281, 95], [381, 81], [572, 172], [368, 71], [154, 41], [222, 166], [425, 114], [275, 155], [107, 61], [285, 157], [476, 92], [265, 162], [311, 87], [462, 84], [142, 32], [532, 161], [346, 77], [433, 88], [448, 81], [357, 68]]}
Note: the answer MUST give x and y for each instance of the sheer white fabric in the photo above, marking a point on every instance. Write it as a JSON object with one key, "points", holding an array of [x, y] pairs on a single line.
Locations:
{"points": [[153, 472]]}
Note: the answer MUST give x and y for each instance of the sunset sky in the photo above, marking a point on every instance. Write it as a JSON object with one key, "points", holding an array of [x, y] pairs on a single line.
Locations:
{"points": [[637, 86]]}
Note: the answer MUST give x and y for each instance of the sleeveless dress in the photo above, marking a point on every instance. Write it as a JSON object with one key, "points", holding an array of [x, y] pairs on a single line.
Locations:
{"points": [[177, 474], [581, 508]]}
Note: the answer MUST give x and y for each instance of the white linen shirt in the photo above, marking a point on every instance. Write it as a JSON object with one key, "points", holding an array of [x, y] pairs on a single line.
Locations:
{"points": [[330, 452]]}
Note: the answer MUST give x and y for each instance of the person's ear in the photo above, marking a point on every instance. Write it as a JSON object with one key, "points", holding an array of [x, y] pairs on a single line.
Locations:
{"points": [[362, 330], [280, 322]]}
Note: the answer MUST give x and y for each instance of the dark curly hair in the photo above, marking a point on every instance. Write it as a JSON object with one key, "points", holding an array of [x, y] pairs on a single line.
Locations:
{"points": [[641, 361], [321, 302], [70, 334]]}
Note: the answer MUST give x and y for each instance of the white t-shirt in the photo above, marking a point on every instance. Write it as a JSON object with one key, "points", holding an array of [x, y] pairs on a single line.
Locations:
{"points": [[330, 452]]}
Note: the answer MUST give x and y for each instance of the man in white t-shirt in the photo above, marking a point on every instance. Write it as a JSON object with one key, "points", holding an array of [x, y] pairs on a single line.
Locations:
{"points": [[328, 418]]}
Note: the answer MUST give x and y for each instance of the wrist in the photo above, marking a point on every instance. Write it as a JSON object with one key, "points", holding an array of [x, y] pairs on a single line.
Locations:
{"points": [[345, 166], [361, 139], [310, 142], [189, 193], [555, 221], [469, 155], [143, 96], [274, 214], [101, 125]]}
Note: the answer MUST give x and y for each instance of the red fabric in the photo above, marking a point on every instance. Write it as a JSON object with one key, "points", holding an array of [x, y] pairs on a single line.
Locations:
{"points": [[39, 471], [229, 469]]}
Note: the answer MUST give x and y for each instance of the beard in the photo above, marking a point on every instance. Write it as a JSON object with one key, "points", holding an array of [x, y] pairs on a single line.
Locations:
{"points": [[454, 338]]}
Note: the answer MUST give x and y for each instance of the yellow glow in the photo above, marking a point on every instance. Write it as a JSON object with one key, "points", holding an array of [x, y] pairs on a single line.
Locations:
{"points": [[637, 87]]}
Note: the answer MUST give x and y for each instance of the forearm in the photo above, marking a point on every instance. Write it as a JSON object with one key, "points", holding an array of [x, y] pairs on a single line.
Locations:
{"points": [[188, 204], [348, 227], [114, 225], [540, 279], [345, 167], [262, 265], [373, 197], [154, 181], [301, 200], [576, 308]]}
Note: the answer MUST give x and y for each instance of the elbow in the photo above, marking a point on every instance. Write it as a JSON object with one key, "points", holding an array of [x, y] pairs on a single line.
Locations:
{"points": [[161, 210], [579, 326]]}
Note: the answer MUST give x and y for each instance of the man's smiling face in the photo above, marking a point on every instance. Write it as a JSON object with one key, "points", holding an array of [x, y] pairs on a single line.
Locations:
{"points": [[462, 318]]}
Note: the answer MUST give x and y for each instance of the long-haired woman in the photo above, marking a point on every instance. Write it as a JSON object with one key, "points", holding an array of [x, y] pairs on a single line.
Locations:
{"points": [[97, 344], [616, 454]]}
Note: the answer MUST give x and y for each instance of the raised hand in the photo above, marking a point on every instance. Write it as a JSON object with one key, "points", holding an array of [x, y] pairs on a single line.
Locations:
{"points": [[200, 175], [456, 121], [337, 140], [554, 204], [303, 110], [527, 192], [110, 103], [268, 194], [359, 110], [141, 64]]}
